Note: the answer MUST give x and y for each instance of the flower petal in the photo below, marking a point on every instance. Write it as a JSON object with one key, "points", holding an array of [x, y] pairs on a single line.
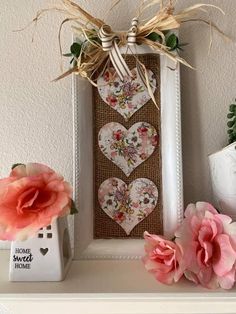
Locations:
{"points": [[225, 258], [34, 169], [31, 198], [204, 206], [228, 280]]}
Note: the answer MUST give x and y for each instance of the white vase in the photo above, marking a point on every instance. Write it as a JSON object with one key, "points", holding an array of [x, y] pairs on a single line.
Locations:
{"points": [[45, 257], [223, 177]]}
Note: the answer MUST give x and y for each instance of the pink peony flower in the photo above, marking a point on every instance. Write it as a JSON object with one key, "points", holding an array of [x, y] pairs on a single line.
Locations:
{"points": [[30, 198], [163, 259], [208, 240]]}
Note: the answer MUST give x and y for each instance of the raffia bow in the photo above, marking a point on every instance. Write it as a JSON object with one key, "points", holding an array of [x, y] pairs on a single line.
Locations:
{"points": [[101, 45]]}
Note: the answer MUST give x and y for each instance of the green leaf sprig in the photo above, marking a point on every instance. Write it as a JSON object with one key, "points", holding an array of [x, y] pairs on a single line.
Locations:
{"points": [[75, 51], [172, 40], [173, 43]]}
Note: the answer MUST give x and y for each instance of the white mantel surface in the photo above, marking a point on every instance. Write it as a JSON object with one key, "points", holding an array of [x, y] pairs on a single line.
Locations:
{"points": [[109, 287]]}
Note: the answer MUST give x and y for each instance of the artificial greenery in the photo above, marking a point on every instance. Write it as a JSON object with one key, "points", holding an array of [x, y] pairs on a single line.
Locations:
{"points": [[76, 47], [154, 37], [172, 41], [232, 123], [75, 50]]}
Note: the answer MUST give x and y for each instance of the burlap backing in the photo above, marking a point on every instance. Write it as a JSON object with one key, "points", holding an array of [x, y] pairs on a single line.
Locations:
{"points": [[105, 227]]}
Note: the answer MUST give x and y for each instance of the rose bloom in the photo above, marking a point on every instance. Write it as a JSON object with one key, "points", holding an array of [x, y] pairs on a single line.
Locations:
{"points": [[142, 130], [112, 100], [117, 135], [30, 198], [208, 240], [163, 259]]}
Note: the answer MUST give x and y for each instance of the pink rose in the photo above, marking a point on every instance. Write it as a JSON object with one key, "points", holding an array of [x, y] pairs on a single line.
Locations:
{"points": [[30, 198], [208, 240], [163, 259]]}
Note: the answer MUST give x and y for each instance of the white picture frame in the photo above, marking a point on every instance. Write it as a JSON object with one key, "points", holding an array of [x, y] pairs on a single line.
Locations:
{"points": [[85, 247]]}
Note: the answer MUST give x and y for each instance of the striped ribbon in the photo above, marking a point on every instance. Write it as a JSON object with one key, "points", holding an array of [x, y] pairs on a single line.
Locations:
{"points": [[132, 33], [110, 43]]}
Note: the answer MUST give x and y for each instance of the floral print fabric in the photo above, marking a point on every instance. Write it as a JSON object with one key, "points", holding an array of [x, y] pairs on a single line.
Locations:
{"points": [[128, 205], [127, 148], [125, 97]]}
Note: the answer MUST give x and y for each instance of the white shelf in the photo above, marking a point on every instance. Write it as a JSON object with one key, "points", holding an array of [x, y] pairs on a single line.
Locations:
{"points": [[102, 287]]}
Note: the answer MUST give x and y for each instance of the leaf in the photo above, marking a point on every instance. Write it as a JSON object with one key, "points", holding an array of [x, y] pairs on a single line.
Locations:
{"points": [[75, 49], [232, 108], [73, 209], [230, 124], [154, 37], [230, 115], [16, 165], [172, 42]]}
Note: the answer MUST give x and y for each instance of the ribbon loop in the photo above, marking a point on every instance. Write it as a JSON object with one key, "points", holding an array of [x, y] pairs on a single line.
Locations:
{"points": [[132, 33], [110, 43], [107, 37]]}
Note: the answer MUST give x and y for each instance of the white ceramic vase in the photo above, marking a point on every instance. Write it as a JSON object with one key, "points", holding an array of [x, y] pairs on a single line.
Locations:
{"points": [[223, 177], [45, 257]]}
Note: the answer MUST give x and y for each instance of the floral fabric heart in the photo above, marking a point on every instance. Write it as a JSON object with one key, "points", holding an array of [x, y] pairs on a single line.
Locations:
{"points": [[127, 148], [125, 97], [128, 205]]}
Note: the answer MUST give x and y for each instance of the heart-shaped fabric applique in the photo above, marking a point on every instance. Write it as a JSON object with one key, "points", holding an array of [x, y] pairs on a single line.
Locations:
{"points": [[127, 148], [128, 205], [125, 97]]}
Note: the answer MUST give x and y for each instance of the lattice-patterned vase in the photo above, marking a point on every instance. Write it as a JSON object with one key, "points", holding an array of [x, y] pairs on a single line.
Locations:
{"points": [[46, 257]]}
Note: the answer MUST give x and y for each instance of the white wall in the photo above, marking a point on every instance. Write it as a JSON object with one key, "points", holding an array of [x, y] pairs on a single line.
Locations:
{"points": [[36, 115]]}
